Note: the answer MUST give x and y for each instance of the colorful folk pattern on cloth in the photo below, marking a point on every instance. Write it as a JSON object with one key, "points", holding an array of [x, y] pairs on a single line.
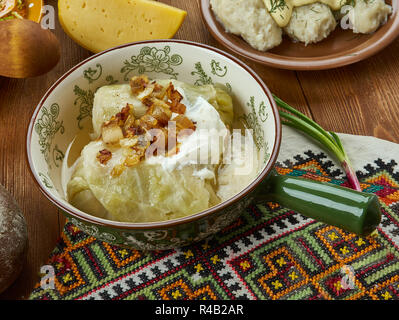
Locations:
{"points": [[268, 253]]}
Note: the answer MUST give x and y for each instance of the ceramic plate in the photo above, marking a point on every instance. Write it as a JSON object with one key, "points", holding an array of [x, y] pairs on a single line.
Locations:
{"points": [[341, 48]]}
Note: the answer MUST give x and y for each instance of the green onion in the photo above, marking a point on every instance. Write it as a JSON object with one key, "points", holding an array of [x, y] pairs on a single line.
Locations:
{"points": [[329, 140], [17, 15]]}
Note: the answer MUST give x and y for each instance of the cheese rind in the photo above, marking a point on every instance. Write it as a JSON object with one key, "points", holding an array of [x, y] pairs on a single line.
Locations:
{"points": [[98, 25]]}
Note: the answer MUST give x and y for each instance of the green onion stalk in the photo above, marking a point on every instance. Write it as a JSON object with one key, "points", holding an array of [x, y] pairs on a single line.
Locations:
{"points": [[330, 140]]}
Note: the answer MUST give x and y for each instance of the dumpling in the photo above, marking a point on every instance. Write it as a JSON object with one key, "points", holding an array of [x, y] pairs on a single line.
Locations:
{"points": [[250, 20], [367, 16], [311, 23]]}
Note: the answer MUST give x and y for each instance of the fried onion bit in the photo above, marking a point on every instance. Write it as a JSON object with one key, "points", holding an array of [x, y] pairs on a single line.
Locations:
{"points": [[174, 99], [104, 156]]}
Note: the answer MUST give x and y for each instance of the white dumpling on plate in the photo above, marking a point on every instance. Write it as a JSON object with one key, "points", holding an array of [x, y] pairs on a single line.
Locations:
{"points": [[311, 23], [367, 16], [250, 20]]}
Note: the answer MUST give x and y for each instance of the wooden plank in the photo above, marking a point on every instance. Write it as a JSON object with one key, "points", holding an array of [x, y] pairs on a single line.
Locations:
{"points": [[359, 99], [18, 99]]}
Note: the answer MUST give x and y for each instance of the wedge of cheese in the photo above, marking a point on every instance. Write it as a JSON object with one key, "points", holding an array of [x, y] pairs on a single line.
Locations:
{"points": [[98, 25]]}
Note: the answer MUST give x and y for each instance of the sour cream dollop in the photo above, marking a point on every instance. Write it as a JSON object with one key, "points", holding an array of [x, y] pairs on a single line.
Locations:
{"points": [[204, 146]]}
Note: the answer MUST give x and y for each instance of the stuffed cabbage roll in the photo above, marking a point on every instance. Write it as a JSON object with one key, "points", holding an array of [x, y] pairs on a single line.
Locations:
{"points": [[116, 180]]}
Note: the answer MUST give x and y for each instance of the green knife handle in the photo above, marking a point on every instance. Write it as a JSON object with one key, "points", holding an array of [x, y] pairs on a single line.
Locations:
{"points": [[353, 211]]}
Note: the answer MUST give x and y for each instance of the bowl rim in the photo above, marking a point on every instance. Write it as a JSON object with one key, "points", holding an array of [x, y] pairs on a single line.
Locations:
{"points": [[168, 223], [297, 63]]}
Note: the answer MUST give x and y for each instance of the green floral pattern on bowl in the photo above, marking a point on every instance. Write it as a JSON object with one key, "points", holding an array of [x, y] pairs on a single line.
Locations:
{"points": [[46, 128], [67, 107], [152, 59]]}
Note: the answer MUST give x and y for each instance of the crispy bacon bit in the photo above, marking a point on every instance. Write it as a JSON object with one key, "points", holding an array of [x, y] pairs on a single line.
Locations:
{"points": [[123, 115], [159, 91], [174, 98], [111, 132], [142, 144], [146, 92], [178, 108], [159, 142], [148, 122], [134, 130], [147, 102], [173, 94], [129, 142], [104, 156], [182, 122], [128, 123], [160, 111], [138, 84]]}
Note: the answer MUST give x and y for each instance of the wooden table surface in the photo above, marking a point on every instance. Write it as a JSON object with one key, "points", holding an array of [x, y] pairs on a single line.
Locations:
{"points": [[360, 99]]}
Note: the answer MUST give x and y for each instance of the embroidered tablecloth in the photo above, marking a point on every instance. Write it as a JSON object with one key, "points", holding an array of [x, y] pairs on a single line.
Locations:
{"points": [[270, 252]]}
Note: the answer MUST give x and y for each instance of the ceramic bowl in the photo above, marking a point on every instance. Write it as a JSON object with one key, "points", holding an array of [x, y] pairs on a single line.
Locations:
{"points": [[341, 48], [65, 110]]}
